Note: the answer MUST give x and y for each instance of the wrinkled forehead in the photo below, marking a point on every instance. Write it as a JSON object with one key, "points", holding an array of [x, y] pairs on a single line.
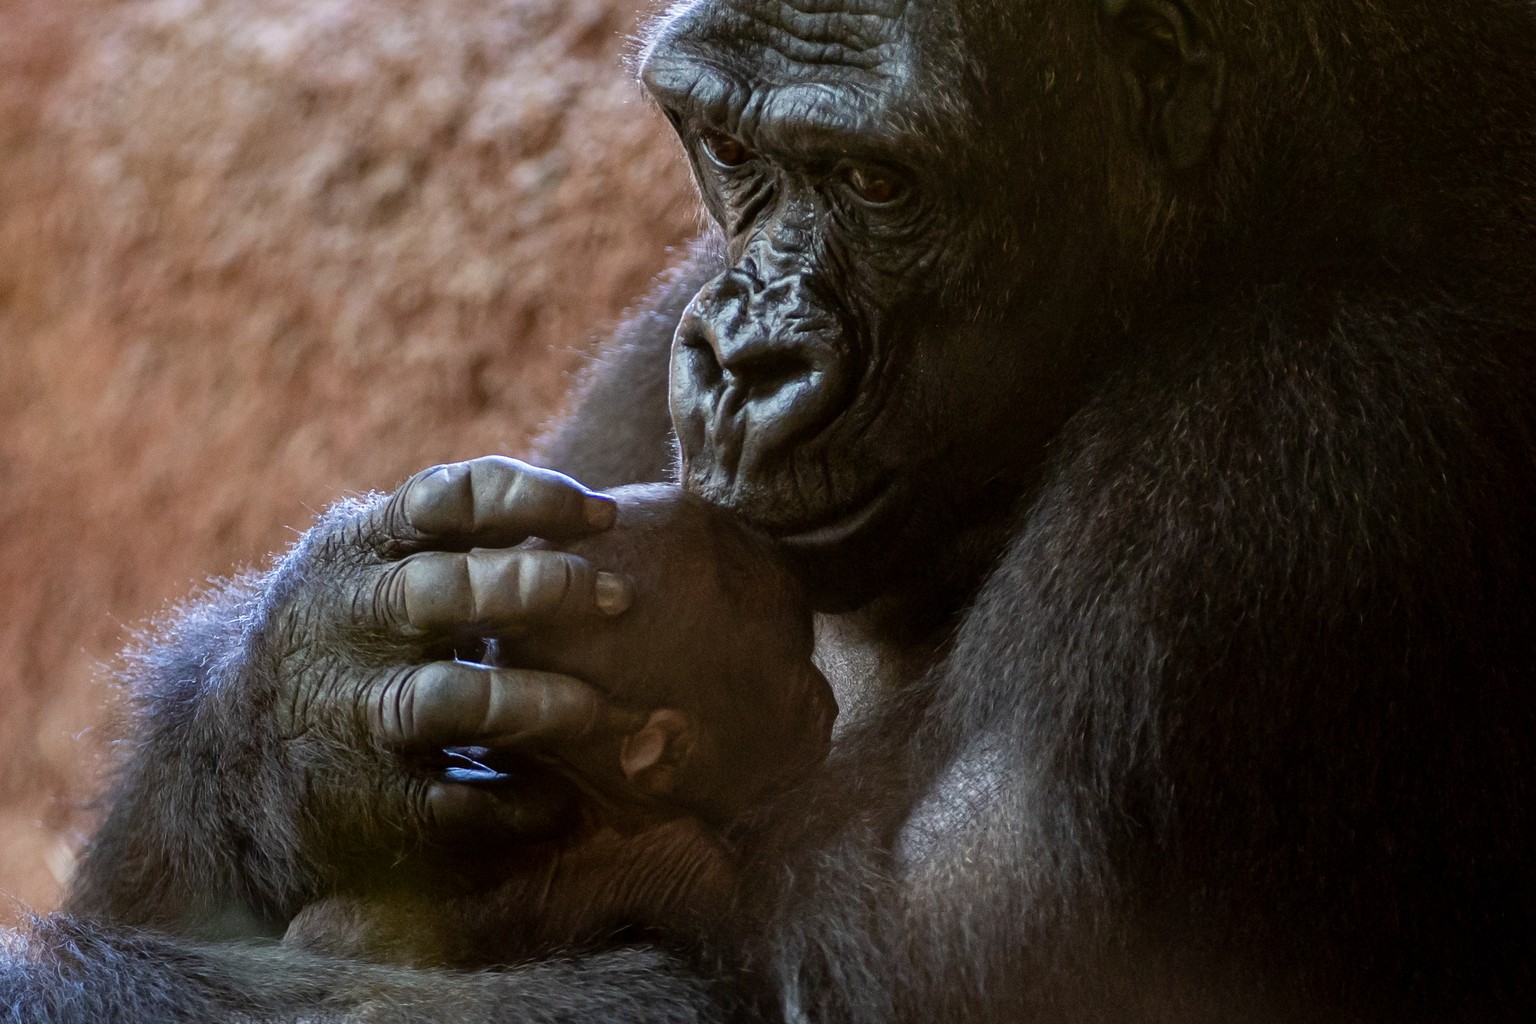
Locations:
{"points": [[884, 60], [787, 40]]}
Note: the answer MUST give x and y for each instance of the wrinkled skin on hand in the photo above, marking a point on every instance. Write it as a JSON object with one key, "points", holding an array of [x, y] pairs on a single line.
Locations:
{"points": [[299, 718], [715, 655], [377, 642]]}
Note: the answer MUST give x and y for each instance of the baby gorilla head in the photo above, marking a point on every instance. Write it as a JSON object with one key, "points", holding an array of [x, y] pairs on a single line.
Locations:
{"points": [[716, 647]]}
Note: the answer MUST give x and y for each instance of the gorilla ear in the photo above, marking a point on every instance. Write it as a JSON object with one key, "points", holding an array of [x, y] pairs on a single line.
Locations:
{"points": [[1173, 75], [652, 757]]}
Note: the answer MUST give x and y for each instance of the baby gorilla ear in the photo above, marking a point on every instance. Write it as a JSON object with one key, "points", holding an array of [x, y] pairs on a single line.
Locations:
{"points": [[652, 756]]}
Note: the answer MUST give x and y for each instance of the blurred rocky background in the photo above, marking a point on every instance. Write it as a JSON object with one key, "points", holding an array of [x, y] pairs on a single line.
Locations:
{"points": [[256, 254]]}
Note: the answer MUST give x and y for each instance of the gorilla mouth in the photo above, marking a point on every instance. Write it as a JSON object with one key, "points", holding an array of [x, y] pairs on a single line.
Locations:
{"points": [[840, 527]]}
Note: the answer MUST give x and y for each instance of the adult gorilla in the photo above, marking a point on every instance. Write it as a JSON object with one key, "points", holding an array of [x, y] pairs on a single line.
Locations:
{"points": [[1154, 379]]}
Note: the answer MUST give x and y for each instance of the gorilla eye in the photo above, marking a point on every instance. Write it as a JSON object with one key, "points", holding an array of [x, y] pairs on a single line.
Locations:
{"points": [[724, 150], [875, 188], [1154, 28]]}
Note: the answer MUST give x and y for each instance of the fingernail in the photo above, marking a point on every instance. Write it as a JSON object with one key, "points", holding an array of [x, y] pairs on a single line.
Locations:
{"points": [[614, 593], [601, 511]]}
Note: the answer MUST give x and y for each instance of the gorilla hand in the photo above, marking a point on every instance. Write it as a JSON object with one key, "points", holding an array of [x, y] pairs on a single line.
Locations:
{"points": [[717, 651], [292, 720], [383, 626]]}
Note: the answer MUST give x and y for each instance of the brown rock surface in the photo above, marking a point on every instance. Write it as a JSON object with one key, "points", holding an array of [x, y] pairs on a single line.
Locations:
{"points": [[255, 254]]}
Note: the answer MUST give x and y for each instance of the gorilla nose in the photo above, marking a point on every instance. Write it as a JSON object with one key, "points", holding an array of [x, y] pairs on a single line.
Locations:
{"points": [[754, 340], [754, 365], [756, 344]]}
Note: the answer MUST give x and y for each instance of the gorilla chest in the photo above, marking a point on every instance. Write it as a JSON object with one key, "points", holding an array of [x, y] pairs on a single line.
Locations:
{"points": [[968, 797], [858, 668], [955, 825]]}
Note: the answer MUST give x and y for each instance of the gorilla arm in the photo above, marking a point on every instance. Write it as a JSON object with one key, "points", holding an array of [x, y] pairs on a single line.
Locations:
{"points": [[69, 971], [281, 720], [277, 729], [716, 651]]}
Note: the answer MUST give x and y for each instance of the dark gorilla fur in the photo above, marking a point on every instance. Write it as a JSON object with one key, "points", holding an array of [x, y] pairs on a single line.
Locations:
{"points": [[1187, 643]]}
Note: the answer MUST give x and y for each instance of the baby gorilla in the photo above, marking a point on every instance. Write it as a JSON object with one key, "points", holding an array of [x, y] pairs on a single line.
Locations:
{"points": [[714, 658], [717, 647]]}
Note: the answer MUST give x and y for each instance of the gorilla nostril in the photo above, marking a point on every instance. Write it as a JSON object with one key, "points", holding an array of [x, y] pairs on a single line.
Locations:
{"points": [[765, 373], [703, 362]]}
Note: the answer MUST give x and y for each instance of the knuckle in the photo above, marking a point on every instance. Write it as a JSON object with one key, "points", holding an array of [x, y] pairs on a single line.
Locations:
{"points": [[443, 701], [505, 586], [490, 475], [433, 684], [421, 806], [384, 599], [435, 500], [383, 709], [508, 488], [547, 582], [412, 703], [541, 493], [433, 589], [580, 708], [542, 584], [491, 466], [420, 701]]}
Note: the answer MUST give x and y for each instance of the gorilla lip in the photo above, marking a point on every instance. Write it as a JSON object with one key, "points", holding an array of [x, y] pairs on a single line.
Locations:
{"points": [[840, 529]]}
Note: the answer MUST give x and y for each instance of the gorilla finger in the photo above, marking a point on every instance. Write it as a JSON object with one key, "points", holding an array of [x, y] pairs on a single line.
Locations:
{"points": [[495, 502], [453, 703], [529, 807], [493, 589]]}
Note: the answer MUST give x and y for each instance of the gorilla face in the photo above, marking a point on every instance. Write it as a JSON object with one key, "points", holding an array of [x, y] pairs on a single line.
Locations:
{"points": [[899, 330]]}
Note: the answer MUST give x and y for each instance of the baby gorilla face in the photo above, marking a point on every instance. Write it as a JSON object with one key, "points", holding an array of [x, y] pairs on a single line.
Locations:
{"points": [[716, 646]]}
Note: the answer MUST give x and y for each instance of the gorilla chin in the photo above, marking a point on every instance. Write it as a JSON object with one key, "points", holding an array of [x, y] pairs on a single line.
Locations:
{"points": [[831, 547]]}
